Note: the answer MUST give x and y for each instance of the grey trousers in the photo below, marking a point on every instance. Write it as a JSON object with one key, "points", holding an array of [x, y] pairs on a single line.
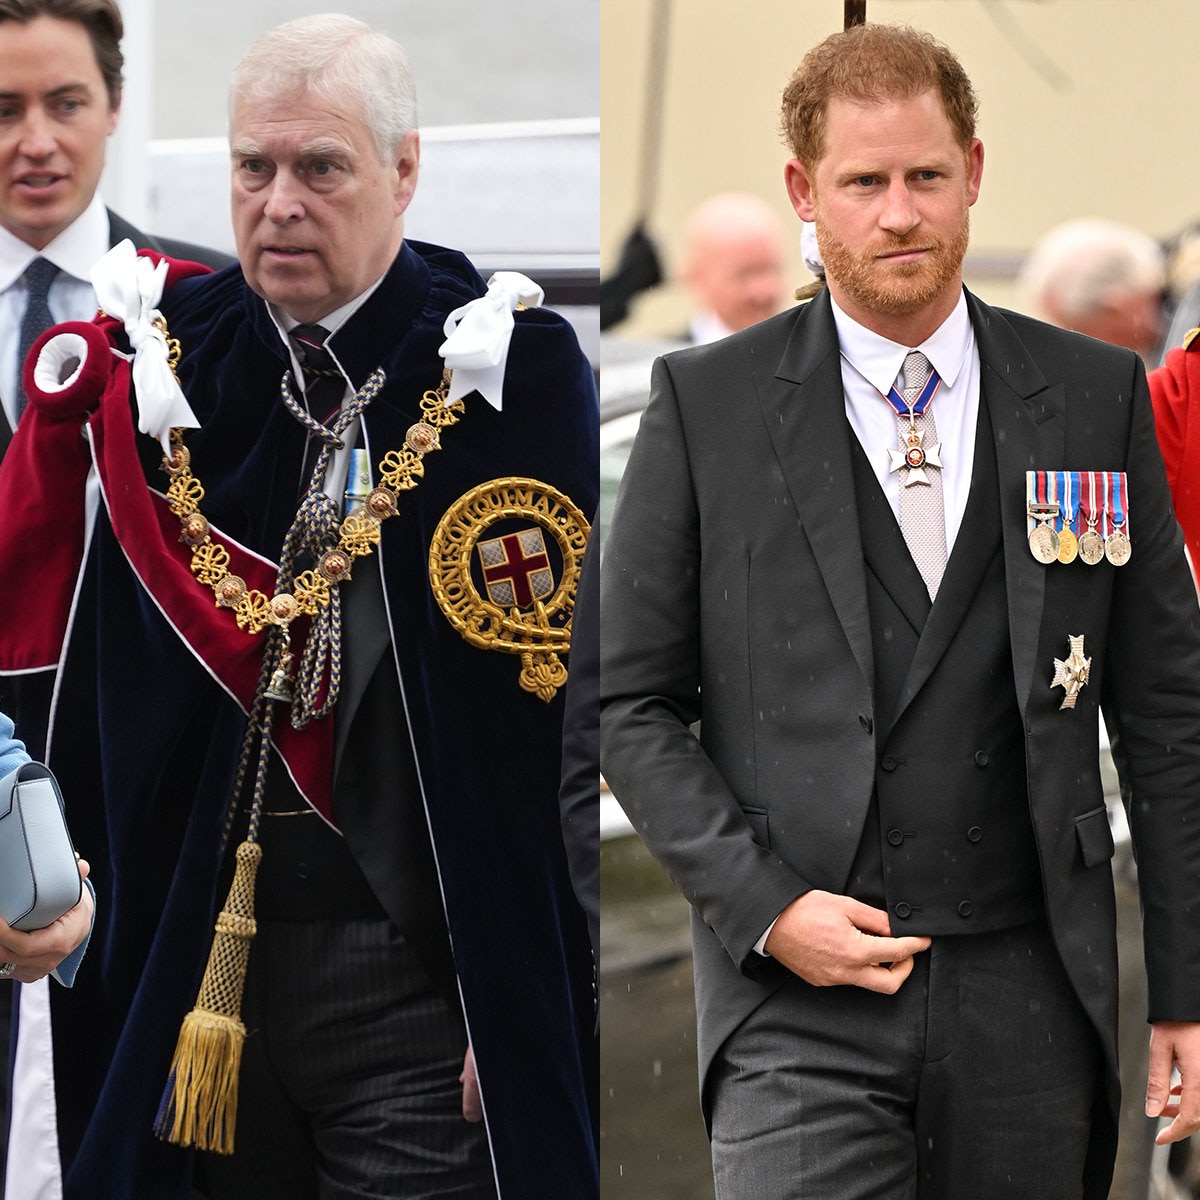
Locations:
{"points": [[976, 1080], [349, 1084]]}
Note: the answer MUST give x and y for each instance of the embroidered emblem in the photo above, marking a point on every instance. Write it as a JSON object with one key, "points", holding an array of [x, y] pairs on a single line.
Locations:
{"points": [[502, 583], [516, 569], [1072, 674]]}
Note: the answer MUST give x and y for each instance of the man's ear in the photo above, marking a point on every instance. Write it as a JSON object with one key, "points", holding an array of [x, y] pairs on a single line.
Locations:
{"points": [[974, 170], [407, 164], [800, 189]]}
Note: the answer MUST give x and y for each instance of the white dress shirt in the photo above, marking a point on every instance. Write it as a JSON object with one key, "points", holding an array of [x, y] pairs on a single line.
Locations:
{"points": [[75, 251], [870, 366]]}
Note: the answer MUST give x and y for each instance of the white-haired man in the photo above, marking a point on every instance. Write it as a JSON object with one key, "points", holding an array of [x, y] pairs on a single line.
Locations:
{"points": [[413, 894], [733, 265], [1101, 278]]}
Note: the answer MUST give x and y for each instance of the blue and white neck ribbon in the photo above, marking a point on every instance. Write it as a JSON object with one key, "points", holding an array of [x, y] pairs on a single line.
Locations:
{"points": [[903, 409]]}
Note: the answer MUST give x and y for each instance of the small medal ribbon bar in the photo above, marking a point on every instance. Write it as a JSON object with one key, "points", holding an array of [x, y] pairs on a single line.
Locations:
{"points": [[1087, 512]]}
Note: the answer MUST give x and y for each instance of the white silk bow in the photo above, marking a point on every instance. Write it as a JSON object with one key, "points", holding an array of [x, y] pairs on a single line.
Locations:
{"points": [[478, 335], [810, 252], [129, 287]]}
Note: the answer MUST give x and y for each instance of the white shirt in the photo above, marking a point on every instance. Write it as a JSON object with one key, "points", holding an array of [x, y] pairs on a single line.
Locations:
{"points": [[705, 326], [871, 365], [75, 251]]}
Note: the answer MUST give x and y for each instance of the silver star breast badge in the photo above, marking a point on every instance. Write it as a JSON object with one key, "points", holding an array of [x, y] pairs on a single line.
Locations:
{"points": [[916, 458], [1072, 673]]}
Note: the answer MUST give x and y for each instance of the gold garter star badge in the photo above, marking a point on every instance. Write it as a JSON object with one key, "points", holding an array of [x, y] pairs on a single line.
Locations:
{"points": [[1071, 674], [503, 564]]}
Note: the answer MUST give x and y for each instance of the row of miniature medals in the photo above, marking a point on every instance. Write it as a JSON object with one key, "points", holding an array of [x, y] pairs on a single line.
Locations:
{"points": [[1078, 514]]}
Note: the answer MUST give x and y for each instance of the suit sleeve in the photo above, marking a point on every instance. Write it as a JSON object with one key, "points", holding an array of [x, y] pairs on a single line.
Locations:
{"points": [[1152, 707], [651, 670]]}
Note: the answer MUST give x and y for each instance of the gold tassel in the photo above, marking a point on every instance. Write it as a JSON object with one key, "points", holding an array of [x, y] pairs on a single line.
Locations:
{"points": [[199, 1106]]}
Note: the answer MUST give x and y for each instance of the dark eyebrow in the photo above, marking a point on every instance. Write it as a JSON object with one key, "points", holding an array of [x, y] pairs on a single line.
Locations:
{"points": [[63, 88]]}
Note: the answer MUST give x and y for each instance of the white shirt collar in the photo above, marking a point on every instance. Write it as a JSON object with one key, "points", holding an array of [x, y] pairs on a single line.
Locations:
{"points": [[878, 360], [75, 251], [331, 322], [705, 326]]}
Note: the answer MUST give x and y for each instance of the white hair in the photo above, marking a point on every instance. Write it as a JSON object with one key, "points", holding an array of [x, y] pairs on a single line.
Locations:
{"points": [[334, 57], [1079, 265]]}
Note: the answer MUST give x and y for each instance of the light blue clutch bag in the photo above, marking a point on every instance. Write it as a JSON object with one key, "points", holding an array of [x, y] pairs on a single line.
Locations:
{"points": [[39, 877]]}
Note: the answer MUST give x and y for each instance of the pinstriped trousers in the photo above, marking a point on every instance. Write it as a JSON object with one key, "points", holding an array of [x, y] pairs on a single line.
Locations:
{"points": [[349, 1085], [978, 1080]]}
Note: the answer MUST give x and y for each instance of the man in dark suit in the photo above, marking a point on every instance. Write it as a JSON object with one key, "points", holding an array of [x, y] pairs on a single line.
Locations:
{"points": [[374, 711], [890, 823], [60, 83]]}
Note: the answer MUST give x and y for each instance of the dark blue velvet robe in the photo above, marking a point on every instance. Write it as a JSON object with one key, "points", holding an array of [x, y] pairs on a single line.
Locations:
{"points": [[144, 741]]}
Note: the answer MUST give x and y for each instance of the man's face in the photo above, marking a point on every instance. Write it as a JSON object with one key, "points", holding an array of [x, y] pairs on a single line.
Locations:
{"points": [[316, 215], [55, 119], [890, 199], [740, 278]]}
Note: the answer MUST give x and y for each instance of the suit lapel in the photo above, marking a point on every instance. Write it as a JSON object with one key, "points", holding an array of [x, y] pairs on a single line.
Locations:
{"points": [[1029, 423], [119, 229], [804, 410]]}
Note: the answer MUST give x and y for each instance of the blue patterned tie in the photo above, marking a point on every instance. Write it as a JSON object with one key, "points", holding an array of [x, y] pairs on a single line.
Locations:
{"points": [[37, 319]]}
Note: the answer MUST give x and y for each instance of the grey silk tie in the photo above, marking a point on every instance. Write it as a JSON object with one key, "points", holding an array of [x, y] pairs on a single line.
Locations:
{"points": [[38, 276], [922, 510]]}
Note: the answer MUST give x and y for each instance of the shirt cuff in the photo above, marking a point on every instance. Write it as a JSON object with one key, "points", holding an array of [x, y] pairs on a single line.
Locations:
{"points": [[760, 947]]}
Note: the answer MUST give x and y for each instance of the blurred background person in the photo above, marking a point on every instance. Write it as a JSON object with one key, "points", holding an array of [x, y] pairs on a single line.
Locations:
{"points": [[734, 265], [1101, 278], [1183, 289]]}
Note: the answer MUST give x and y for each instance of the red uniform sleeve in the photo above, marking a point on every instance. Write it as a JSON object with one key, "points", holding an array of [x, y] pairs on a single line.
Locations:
{"points": [[1175, 391]]}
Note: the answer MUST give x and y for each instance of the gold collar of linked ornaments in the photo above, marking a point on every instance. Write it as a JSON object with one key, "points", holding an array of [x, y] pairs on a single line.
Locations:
{"points": [[399, 471]]}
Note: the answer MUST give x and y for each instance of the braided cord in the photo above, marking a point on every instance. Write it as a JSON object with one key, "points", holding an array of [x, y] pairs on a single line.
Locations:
{"points": [[316, 530]]}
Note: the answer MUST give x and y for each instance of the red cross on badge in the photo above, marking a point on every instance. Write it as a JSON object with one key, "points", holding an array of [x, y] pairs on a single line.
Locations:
{"points": [[516, 569]]}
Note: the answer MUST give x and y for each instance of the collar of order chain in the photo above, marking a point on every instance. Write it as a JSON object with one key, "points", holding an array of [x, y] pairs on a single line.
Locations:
{"points": [[357, 535]]}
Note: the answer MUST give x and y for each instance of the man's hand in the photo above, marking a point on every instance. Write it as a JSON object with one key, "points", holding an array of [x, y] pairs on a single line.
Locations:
{"points": [[472, 1103], [36, 953], [1174, 1044], [828, 939]]}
